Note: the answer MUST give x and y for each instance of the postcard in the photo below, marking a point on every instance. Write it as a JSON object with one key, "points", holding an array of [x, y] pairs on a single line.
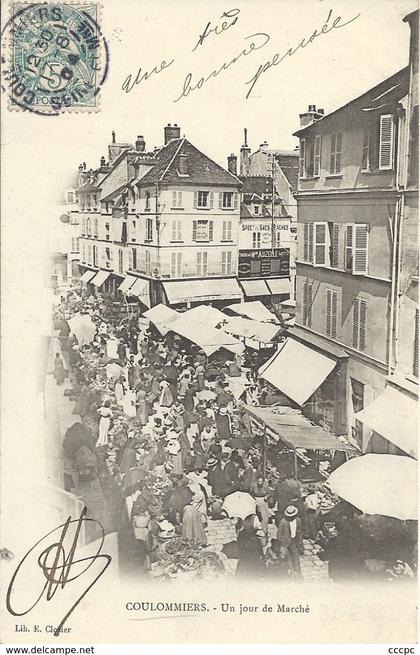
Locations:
{"points": [[210, 322]]}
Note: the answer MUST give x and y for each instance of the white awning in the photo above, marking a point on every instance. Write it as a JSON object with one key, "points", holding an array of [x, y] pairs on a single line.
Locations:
{"points": [[279, 285], [88, 276], [100, 278], [161, 314], [180, 291], [255, 287], [255, 310], [127, 283], [393, 415], [296, 370], [140, 289]]}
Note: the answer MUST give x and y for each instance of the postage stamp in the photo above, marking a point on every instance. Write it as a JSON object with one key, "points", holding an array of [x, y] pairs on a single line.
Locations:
{"points": [[55, 57]]}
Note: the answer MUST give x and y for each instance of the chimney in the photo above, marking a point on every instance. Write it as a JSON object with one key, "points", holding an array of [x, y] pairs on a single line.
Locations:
{"points": [[113, 136], [140, 144], [183, 163], [310, 116], [172, 132], [264, 147], [103, 161], [232, 161], [245, 153], [84, 165]]}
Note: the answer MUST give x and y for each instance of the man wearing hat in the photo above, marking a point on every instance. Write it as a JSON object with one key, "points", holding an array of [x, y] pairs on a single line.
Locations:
{"points": [[290, 538]]}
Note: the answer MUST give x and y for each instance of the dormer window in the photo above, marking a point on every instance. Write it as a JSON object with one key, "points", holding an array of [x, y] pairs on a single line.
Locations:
{"points": [[256, 210]]}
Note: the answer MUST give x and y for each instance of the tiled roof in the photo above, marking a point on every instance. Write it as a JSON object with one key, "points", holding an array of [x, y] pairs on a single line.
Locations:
{"points": [[259, 184], [201, 169], [289, 164]]}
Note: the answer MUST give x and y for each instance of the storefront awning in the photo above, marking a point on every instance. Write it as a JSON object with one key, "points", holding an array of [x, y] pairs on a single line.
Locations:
{"points": [[393, 415], [140, 289], [127, 283], [279, 285], [296, 430], [255, 310], [296, 370], [199, 290], [100, 278], [88, 276], [255, 288]]}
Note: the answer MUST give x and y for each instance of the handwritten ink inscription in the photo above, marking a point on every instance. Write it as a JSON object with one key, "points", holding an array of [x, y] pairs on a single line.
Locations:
{"points": [[58, 567], [257, 41]]}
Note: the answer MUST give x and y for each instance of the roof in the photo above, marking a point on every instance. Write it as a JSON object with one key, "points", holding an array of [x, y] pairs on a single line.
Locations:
{"points": [[289, 165], [296, 430], [89, 187], [399, 81], [259, 184], [201, 169]]}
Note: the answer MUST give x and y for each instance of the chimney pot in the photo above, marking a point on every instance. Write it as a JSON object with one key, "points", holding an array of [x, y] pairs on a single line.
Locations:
{"points": [[233, 164], [140, 144], [103, 161], [312, 108], [171, 132], [113, 136], [321, 111]]}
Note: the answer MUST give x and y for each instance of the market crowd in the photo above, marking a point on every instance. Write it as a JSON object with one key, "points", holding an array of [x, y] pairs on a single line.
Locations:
{"points": [[163, 446]]}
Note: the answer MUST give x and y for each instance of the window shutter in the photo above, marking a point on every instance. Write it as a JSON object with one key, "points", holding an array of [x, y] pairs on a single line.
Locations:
{"points": [[328, 314], [224, 231], [362, 324], [195, 198], [317, 156], [335, 245], [334, 297], [198, 264], [235, 201], [305, 242], [365, 150], [339, 137], [210, 230], [174, 196], [179, 198], [229, 230], [386, 140], [309, 297], [320, 244], [220, 200], [355, 340], [194, 236], [173, 237], [302, 155], [360, 249], [179, 231], [310, 242], [349, 248], [332, 157], [211, 194]]}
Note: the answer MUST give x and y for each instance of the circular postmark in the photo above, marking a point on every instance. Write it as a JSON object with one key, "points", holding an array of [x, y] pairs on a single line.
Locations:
{"points": [[55, 57]]}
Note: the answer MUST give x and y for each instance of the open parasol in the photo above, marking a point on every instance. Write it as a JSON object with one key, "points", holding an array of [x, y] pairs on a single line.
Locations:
{"points": [[239, 504]]}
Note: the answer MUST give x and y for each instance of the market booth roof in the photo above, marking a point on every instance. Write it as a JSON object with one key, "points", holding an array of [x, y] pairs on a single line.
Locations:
{"points": [[181, 291], [393, 414], [127, 283], [88, 276], [207, 338], [244, 327], [296, 430], [100, 278], [161, 314], [296, 370], [254, 310]]}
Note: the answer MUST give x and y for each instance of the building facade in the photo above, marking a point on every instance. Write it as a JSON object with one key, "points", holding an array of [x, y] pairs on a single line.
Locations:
{"points": [[64, 242]]}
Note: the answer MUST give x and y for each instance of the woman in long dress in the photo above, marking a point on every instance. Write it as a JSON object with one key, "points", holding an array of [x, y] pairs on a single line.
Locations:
{"points": [[192, 526], [59, 371], [166, 398], [105, 413], [141, 405]]}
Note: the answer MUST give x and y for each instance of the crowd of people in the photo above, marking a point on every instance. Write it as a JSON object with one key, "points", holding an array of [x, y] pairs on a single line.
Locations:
{"points": [[165, 440]]}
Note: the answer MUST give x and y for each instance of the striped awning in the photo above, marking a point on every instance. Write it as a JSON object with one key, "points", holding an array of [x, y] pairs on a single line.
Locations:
{"points": [[88, 276], [140, 289], [127, 283], [100, 278]]}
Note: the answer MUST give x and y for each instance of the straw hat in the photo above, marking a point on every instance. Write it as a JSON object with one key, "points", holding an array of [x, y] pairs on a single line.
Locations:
{"points": [[291, 511], [223, 411]]}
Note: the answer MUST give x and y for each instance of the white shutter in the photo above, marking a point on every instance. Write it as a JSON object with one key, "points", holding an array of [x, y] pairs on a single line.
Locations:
{"points": [[195, 198], [317, 156], [360, 249], [179, 198], [211, 197], [173, 237], [179, 231], [362, 324], [174, 198], [321, 244], [386, 141], [328, 314], [194, 235], [198, 264], [229, 231], [224, 231], [335, 245], [235, 201], [305, 241], [355, 337], [348, 260], [220, 200], [302, 156]]}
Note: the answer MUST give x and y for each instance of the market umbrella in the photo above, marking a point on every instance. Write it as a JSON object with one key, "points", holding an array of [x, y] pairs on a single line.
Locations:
{"points": [[239, 442], [206, 394], [83, 327], [378, 484], [239, 504]]}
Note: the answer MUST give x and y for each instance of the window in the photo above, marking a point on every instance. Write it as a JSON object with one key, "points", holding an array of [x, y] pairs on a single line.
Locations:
{"points": [[348, 257], [95, 228], [302, 158], [147, 262], [366, 150], [256, 210], [359, 324], [95, 255], [133, 237], [228, 200], [70, 196], [176, 264], [123, 232], [335, 158], [108, 257], [321, 244], [74, 244], [386, 142], [360, 249], [256, 239], [149, 229], [416, 345], [88, 227], [201, 264], [176, 199], [357, 396], [307, 303], [107, 226], [147, 205], [89, 251], [176, 234], [310, 157], [226, 262], [277, 239], [83, 225], [334, 237], [203, 199], [308, 242], [227, 231], [134, 259], [120, 261], [317, 156], [88, 200], [83, 251], [202, 230], [331, 314]]}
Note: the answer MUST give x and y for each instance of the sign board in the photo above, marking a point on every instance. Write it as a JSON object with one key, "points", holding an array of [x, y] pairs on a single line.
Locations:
{"points": [[264, 263]]}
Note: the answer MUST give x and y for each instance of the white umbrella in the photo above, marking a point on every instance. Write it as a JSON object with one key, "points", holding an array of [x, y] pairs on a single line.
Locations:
{"points": [[239, 504], [378, 484], [83, 327]]}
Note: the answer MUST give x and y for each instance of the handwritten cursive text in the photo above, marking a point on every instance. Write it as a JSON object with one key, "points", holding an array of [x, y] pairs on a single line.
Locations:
{"points": [[129, 84], [218, 29]]}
